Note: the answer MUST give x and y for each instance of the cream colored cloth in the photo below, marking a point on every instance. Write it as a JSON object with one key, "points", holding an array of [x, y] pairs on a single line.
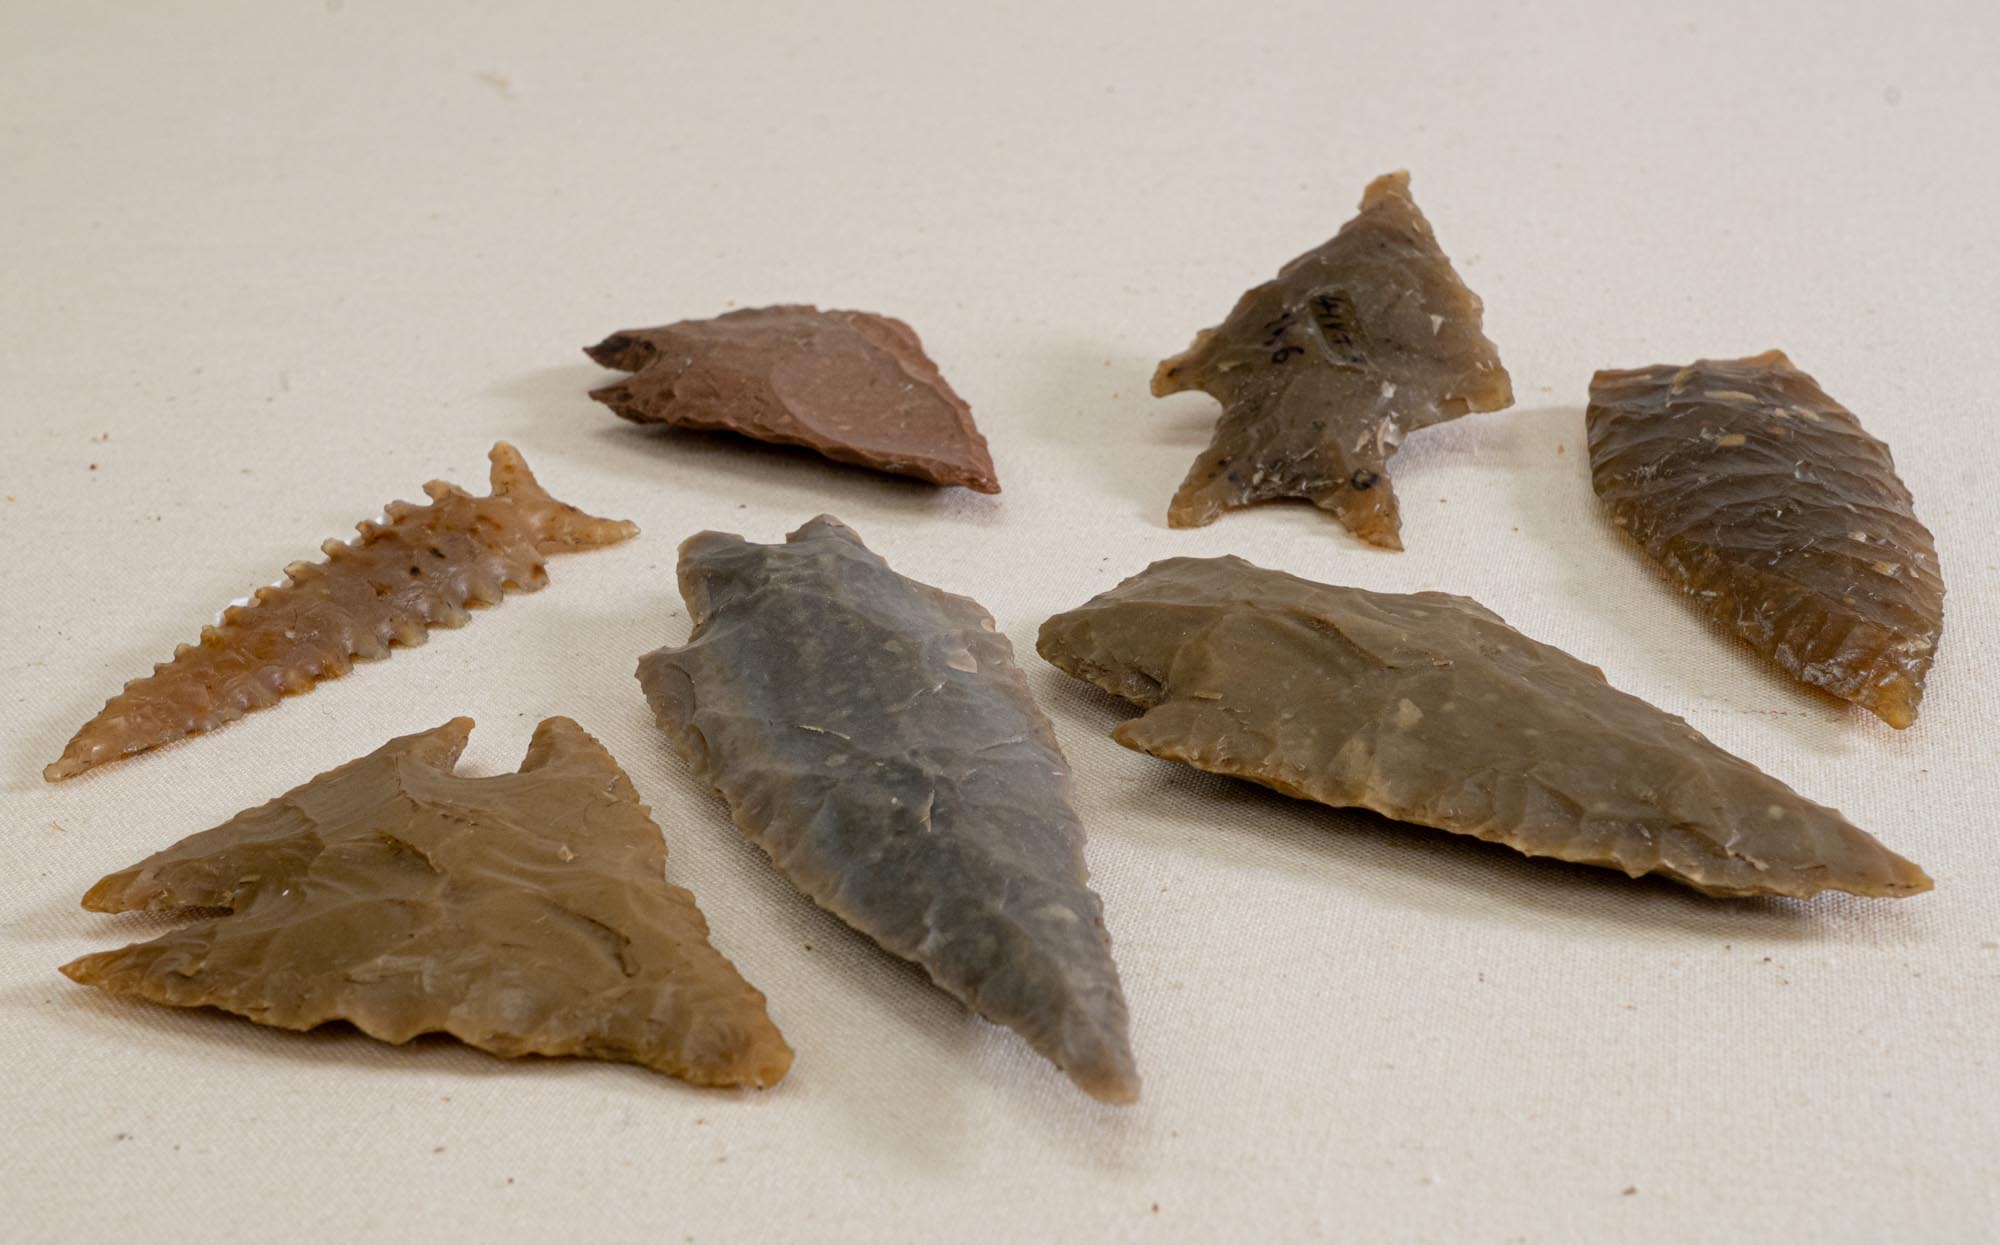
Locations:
{"points": [[268, 264]]}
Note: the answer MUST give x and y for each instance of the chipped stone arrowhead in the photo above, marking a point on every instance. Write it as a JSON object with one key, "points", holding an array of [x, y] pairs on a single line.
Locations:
{"points": [[424, 567], [855, 386], [873, 735], [1767, 502], [1322, 371], [1429, 709], [525, 914]]}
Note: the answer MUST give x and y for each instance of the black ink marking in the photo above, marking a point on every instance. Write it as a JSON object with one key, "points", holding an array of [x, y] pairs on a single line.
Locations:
{"points": [[1333, 313], [1363, 479]]}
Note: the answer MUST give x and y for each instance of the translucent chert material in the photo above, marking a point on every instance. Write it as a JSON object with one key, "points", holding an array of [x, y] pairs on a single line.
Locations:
{"points": [[873, 735], [855, 386], [525, 914], [1430, 709], [1322, 371], [422, 568], [1768, 503]]}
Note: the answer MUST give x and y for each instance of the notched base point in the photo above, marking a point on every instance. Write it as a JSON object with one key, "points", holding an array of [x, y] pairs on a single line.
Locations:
{"points": [[525, 914], [1322, 371]]}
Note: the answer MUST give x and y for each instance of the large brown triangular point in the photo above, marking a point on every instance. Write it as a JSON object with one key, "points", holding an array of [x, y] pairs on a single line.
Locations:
{"points": [[525, 914]]}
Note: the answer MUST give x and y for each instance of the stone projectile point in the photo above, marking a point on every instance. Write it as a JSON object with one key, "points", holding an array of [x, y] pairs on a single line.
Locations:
{"points": [[855, 386], [1767, 502], [1429, 709], [1322, 371], [873, 735], [422, 567], [525, 914]]}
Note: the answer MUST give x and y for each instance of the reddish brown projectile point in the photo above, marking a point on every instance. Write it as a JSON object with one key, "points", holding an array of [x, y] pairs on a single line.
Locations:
{"points": [[854, 386]]}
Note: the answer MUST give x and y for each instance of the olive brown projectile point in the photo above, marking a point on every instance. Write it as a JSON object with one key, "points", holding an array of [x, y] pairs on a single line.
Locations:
{"points": [[1428, 708], [873, 735], [1767, 501], [420, 568], [855, 386], [525, 914], [1322, 371]]}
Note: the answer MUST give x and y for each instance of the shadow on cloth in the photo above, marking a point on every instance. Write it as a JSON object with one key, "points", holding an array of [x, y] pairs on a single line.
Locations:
{"points": [[1098, 406]]}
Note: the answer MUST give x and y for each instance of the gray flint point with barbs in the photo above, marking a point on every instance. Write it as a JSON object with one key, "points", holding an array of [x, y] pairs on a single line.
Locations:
{"points": [[873, 735], [1428, 708]]}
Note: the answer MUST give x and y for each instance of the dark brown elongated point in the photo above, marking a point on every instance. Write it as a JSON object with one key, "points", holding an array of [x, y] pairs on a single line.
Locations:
{"points": [[1769, 504]]}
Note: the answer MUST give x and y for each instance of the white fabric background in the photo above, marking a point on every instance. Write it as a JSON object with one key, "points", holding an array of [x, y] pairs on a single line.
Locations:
{"points": [[269, 264]]}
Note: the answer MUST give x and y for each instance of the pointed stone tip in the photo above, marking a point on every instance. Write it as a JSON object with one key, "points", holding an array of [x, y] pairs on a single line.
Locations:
{"points": [[1396, 183], [111, 893], [558, 525], [823, 527], [66, 766], [1117, 1086], [1380, 538], [701, 542], [82, 970], [618, 397], [1190, 507], [1167, 378], [1914, 882], [1896, 704], [439, 746], [507, 461], [623, 351], [1095, 1051], [559, 739], [773, 1063], [1894, 877]]}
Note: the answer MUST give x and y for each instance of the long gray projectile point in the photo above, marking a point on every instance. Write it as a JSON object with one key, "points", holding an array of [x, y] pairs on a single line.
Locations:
{"points": [[874, 736]]}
